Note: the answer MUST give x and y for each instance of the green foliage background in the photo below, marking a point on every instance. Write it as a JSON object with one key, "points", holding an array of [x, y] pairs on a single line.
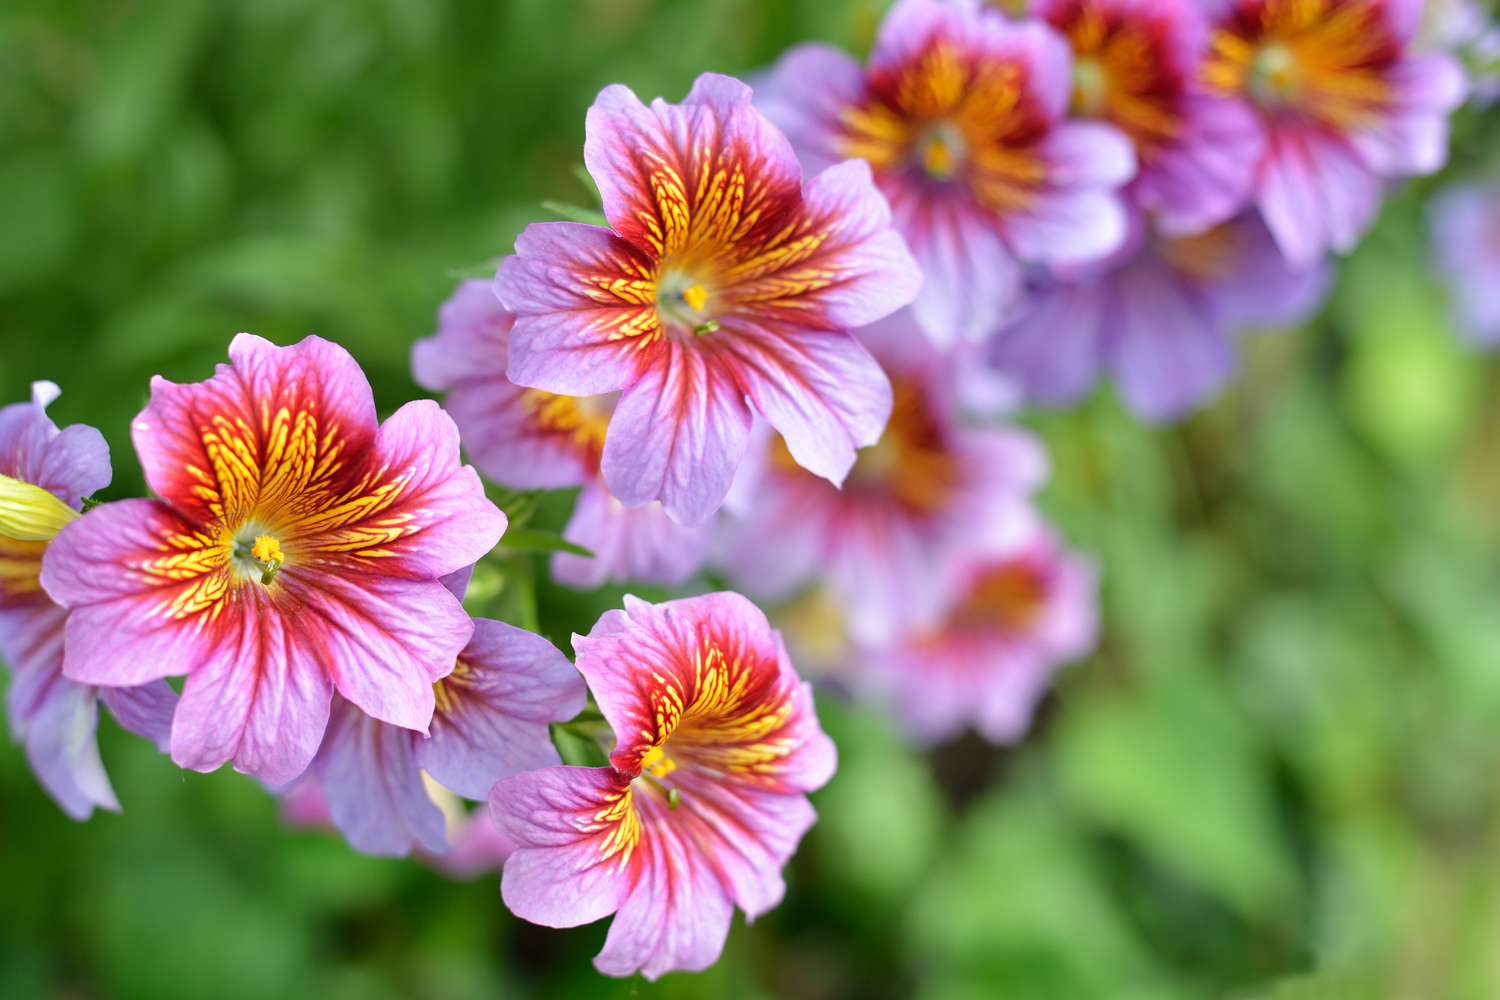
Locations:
{"points": [[1276, 779]]}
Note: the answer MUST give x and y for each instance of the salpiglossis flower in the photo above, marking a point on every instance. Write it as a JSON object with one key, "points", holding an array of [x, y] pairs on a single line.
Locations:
{"points": [[44, 475], [932, 485], [724, 286], [1161, 318], [296, 549], [1136, 65], [961, 115], [530, 439], [1466, 236], [704, 801], [1345, 101]]}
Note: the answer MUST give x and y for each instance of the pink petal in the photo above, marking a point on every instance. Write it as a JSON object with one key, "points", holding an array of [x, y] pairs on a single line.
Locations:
{"points": [[806, 95], [638, 544], [70, 464]]}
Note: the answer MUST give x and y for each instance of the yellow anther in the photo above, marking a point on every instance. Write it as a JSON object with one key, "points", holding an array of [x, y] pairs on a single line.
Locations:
{"points": [[696, 297], [29, 513], [657, 764], [267, 551], [937, 158]]}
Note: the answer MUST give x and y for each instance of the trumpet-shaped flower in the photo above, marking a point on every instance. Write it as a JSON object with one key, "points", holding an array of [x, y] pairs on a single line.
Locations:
{"points": [[1160, 319], [961, 116], [724, 286], [930, 486], [529, 439], [1012, 619], [705, 799], [1346, 101], [1135, 65], [491, 721], [44, 475], [1466, 235], [296, 549]]}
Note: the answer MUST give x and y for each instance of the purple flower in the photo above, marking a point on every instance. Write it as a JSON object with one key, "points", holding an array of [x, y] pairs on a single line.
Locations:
{"points": [[1346, 103], [725, 287], [705, 799], [1013, 618], [1466, 234], [296, 550], [44, 475], [961, 116], [529, 439], [491, 722], [1135, 66], [930, 486], [1160, 319]]}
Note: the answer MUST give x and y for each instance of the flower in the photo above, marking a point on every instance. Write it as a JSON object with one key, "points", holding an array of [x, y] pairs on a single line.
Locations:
{"points": [[1012, 618], [529, 439], [724, 286], [44, 475], [1466, 235], [1346, 105], [1160, 319], [929, 486], [1135, 65], [716, 747], [961, 115], [491, 721], [296, 549]]}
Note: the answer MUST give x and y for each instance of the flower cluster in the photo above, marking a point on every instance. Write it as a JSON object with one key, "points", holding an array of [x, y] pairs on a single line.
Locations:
{"points": [[789, 355]]}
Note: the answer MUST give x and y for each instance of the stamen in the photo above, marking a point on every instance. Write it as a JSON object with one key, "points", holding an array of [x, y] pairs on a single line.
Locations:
{"points": [[696, 296], [937, 158], [267, 552]]}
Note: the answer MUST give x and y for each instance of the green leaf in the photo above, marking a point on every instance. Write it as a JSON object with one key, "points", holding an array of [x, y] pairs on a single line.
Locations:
{"points": [[576, 213], [533, 540]]}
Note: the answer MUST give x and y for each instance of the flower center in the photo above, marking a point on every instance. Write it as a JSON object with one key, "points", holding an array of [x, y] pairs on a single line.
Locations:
{"points": [[258, 556], [1090, 87], [1010, 597], [1274, 78], [682, 301], [940, 151], [655, 767]]}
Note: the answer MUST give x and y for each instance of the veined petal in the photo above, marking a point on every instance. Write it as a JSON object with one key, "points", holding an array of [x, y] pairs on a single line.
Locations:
{"points": [[1316, 194], [806, 95], [273, 423], [576, 832], [973, 279], [585, 305], [145, 711], [494, 710], [373, 786], [677, 435], [670, 174], [71, 463], [628, 543], [470, 342]]}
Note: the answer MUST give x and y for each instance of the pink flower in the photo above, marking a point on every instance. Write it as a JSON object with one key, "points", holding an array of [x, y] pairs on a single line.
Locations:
{"points": [[1346, 105], [1136, 65], [1162, 319], [296, 550], [931, 486], [725, 286], [491, 721], [529, 439], [716, 747], [961, 116], [55, 718], [1012, 618]]}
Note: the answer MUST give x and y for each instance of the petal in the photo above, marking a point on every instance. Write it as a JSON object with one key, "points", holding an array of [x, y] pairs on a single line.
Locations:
{"points": [[806, 95], [145, 711], [55, 718], [1208, 174], [675, 917], [1056, 347], [269, 421], [575, 830], [1262, 290], [498, 422], [1315, 194], [666, 170], [972, 280], [383, 641], [256, 696], [492, 720], [423, 515], [470, 342], [824, 393], [628, 543], [373, 786], [70, 464], [1412, 137], [143, 587], [677, 436], [585, 305]]}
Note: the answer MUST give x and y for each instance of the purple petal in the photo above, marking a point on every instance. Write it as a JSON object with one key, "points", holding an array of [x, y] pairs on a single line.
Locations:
{"points": [[145, 711], [638, 544], [806, 96], [70, 464], [497, 705], [1316, 194]]}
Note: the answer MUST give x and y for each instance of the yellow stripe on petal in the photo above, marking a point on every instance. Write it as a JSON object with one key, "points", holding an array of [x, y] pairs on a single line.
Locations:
{"points": [[29, 513]]}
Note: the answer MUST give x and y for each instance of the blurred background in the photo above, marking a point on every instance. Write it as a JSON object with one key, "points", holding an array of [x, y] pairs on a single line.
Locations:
{"points": [[1277, 778]]}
